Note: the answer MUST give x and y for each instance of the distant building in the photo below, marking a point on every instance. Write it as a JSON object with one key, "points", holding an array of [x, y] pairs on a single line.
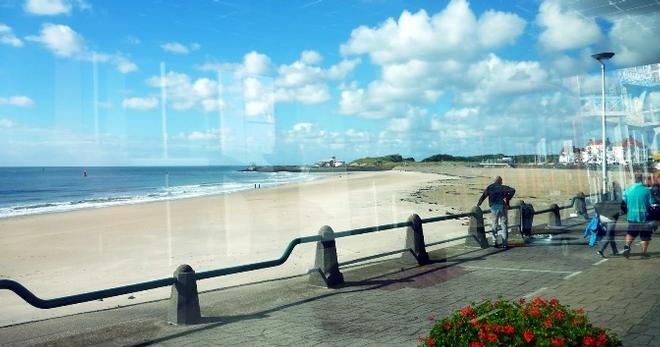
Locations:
{"points": [[570, 155], [627, 152], [630, 151], [332, 162]]}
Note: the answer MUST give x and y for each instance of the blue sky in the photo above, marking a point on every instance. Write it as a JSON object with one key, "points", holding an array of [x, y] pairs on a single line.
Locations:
{"points": [[233, 82]]}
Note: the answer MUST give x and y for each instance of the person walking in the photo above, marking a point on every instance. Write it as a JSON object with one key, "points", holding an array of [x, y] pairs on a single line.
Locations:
{"points": [[499, 196], [638, 200], [608, 212]]}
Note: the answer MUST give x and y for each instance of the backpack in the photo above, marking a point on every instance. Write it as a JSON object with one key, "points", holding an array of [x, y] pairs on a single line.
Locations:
{"points": [[595, 231]]}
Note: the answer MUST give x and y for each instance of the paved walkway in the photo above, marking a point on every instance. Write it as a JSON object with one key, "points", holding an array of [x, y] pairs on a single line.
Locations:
{"points": [[386, 302]]}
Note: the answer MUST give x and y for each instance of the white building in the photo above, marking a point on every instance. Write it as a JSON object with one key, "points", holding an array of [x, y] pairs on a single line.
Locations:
{"points": [[630, 151]]}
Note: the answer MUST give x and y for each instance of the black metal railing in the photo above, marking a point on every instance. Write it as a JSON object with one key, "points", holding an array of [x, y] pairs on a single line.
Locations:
{"points": [[35, 301]]}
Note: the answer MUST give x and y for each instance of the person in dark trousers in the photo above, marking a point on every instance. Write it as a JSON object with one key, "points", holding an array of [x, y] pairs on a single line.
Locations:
{"points": [[608, 212], [499, 196], [638, 200]]}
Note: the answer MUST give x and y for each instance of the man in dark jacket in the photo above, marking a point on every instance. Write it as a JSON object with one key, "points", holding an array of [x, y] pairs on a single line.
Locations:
{"points": [[499, 196]]}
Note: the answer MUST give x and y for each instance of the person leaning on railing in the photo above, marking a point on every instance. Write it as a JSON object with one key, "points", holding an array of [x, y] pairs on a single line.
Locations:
{"points": [[499, 196]]}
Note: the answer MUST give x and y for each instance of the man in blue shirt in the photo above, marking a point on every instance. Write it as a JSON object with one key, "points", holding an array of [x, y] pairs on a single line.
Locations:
{"points": [[638, 200], [499, 196]]}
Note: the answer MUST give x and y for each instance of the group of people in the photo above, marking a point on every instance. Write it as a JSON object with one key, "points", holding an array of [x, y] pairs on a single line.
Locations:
{"points": [[638, 203]]}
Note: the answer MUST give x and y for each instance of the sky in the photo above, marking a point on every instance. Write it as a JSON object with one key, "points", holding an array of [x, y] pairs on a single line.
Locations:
{"points": [[224, 82]]}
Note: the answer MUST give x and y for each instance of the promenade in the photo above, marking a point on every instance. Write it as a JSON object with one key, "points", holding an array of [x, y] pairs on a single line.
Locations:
{"points": [[386, 302]]}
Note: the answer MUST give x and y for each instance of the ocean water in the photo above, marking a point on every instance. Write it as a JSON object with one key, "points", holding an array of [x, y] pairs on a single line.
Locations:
{"points": [[35, 190]]}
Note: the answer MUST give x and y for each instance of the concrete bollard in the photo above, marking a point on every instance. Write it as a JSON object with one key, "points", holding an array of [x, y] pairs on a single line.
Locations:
{"points": [[184, 302], [415, 243], [554, 219], [517, 220], [477, 229], [526, 219], [326, 267], [581, 205]]}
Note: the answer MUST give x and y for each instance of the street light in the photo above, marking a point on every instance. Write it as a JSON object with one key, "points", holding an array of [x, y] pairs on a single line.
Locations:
{"points": [[600, 57]]}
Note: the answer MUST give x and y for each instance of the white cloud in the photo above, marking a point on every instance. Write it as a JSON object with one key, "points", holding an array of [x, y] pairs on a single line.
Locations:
{"points": [[423, 57], [66, 43], [310, 57], [124, 65], [48, 7], [565, 29], [452, 33], [183, 93], [303, 81], [462, 113], [255, 63], [499, 28], [17, 100], [493, 77], [141, 104], [258, 98], [632, 38], [60, 39], [6, 123], [179, 48], [7, 36], [205, 135], [309, 136]]}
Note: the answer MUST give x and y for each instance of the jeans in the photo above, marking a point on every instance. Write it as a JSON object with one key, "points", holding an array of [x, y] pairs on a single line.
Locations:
{"points": [[608, 239], [499, 216]]}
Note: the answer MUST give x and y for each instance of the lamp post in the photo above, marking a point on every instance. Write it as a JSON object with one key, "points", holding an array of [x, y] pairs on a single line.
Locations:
{"points": [[600, 57]]}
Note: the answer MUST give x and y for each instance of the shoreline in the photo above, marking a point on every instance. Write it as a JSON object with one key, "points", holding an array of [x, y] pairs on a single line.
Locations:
{"points": [[73, 207]]}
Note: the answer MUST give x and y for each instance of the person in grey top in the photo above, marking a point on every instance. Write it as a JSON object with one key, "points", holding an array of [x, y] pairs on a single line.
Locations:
{"points": [[499, 196]]}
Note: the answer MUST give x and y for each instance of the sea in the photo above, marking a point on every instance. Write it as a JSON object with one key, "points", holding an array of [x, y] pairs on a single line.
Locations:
{"points": [[36, 190]]}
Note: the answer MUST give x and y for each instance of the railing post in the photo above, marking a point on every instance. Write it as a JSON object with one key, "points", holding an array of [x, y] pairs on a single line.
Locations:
{"points": [[526, 219], [415, 242], [518, 220], [184, 302], [581, 205], [476, 229], [326, 267], [554, 219]]}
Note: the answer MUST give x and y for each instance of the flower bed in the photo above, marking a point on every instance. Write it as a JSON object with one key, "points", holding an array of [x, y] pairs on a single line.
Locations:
{"points": [[505, 323]]}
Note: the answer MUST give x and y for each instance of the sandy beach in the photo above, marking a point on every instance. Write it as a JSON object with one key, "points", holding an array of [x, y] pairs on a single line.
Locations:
{"points": [[61, 254], [66, 253]]}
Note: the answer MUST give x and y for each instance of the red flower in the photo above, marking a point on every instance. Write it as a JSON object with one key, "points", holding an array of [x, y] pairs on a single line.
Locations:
{"points": [[430, 341], [492, 338], [538, 301], [557, 342], [474, 322], [554, 302], [535, 311], [588, 341], [579, 310], [467, 311], [547, 323], [482, 335], [477, 344], [528, 336], [447, 326], [508, 329], [602, 339], [559, 315]]}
